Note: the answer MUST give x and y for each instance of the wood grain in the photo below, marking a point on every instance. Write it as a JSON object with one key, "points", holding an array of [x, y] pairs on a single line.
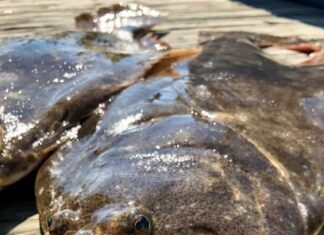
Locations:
{"points": [[186, 19]]}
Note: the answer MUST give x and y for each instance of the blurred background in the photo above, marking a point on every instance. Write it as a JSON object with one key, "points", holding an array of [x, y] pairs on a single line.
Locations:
{"points": [[185, 17]]}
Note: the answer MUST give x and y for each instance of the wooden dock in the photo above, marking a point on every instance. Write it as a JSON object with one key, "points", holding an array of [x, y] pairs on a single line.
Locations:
{"points": [[186, 19]]}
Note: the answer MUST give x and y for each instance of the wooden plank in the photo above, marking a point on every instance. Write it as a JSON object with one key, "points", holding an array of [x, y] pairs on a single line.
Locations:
{"points": [[27, 227]]}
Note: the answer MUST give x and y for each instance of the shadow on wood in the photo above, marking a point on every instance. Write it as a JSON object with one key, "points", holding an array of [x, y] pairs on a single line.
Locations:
{"points": [[292, 10]]}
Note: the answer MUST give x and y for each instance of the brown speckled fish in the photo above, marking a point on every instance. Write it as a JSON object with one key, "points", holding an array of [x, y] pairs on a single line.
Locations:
{"points": [[48, 87], [232, 145]]}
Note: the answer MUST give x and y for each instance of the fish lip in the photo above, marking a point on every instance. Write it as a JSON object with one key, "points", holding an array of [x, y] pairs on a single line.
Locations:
{"points": [[196, 230]]}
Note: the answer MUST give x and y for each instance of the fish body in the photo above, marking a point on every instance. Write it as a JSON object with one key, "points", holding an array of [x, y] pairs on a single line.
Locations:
{"points": [[49, 86], [232, 146]]}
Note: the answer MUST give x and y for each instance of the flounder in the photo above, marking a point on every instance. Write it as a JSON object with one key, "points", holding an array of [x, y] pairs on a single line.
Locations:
{"points": [[50, 86], [233, 144]]}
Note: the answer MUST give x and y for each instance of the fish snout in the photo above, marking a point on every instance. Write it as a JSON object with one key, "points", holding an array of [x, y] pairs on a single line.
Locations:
{"points": [[199, 230], [119, 220], [62, 222]]}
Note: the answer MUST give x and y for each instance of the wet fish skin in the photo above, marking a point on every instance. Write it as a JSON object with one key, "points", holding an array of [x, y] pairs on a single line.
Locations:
{"points": [[48, 93], [268, 101], [224, 149], [49, 86]]}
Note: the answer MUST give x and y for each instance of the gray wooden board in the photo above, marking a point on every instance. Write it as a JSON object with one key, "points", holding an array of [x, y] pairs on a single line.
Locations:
{"points": [[185, 19]]}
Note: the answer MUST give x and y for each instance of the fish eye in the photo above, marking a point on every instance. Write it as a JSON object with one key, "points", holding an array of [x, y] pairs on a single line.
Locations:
{"points": [[57, 225], [49, 222], [142, 225], [52, 225]]}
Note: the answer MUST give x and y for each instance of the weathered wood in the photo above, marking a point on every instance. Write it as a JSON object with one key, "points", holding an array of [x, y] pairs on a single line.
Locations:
{"points": [[186, 19], [27, 227]]}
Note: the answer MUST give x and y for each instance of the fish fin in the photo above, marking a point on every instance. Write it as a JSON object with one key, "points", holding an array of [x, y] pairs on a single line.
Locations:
{"points": [[163, 66], [314, 51]]}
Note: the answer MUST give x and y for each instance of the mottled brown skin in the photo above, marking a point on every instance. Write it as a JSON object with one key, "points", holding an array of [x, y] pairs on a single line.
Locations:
{"points": [[280, 111], [49, 86], [234, 146]]}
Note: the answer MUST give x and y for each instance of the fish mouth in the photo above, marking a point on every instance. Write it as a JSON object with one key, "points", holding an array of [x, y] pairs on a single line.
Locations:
{"points": [[197, 230]]}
